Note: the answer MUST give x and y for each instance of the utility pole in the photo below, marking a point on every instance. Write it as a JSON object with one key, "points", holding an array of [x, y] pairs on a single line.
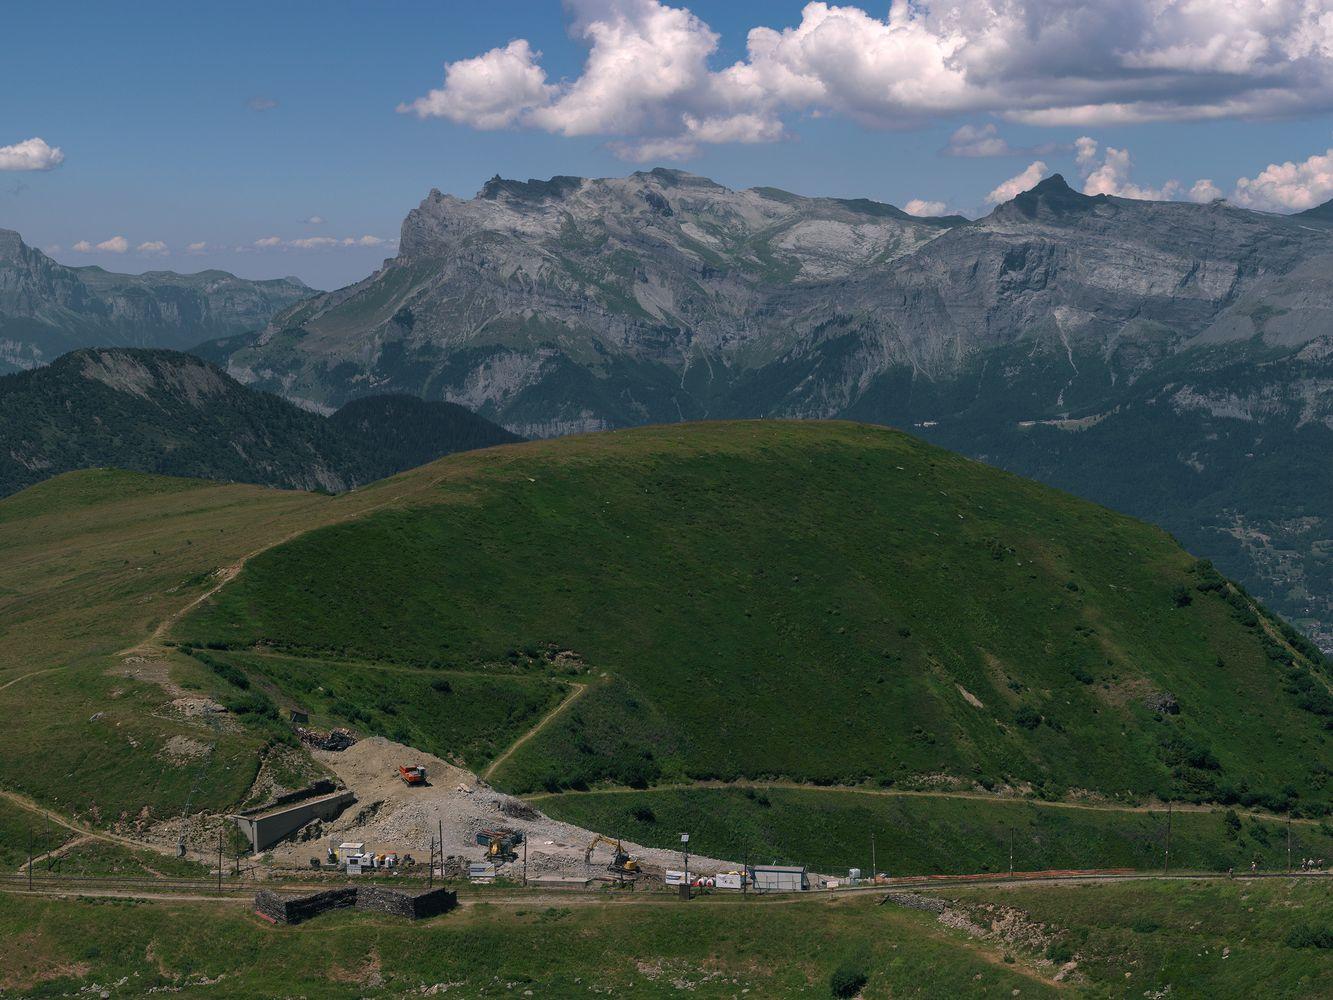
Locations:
{"points": [[685, 848], [745, 876], [1166, 865], [219, 859], [439, 831], [872, 858], [430, 866], [1288, 844], [1011, 852], [525, 861]]}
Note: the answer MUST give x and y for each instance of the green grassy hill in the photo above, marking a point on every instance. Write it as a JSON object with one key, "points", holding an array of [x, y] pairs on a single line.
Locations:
{"points": [[815, 602], [801, 604]]}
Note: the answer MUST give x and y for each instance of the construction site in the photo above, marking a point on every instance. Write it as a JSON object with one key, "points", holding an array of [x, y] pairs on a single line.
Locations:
{"points": [[396, 809]]}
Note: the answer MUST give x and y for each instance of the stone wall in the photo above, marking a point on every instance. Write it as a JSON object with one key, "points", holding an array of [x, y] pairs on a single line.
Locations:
{"points": [[412, 903], [914, 902], [294, 909]]}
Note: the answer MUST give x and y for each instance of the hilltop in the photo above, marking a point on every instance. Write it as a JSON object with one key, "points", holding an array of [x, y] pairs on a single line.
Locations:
{"points": [[47, 308], [822, 603], [171, 413]]}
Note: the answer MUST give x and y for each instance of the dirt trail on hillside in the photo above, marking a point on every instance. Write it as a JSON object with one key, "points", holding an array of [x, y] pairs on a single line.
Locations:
{"points": [[546, 720], [35, 673], [889, 793], [25, 803]]}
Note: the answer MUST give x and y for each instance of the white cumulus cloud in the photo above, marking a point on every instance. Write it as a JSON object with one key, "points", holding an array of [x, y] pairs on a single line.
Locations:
{"points": [[314, 220], [1288, 187], [977, 140], [116, 244], [316, 243], [649, 81], [488, 91], [31, 154], [1112, 175], [1204, 190], [922, 208], [1017, 184], [194, 249], [152, 248]]}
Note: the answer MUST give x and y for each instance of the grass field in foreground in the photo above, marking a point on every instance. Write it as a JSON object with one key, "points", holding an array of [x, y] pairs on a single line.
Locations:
{"points": [[829, 830], [1221, 940], [1187, 939]]}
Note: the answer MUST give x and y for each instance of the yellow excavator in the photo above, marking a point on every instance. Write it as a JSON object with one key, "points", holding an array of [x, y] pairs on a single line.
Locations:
{"points": [[622, 863]]}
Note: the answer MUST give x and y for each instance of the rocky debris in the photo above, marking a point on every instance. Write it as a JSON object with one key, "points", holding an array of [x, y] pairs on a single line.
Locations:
{"points": [[1163, 703], [182, 749], [518, 809], [1010, 926], [335, 741]]}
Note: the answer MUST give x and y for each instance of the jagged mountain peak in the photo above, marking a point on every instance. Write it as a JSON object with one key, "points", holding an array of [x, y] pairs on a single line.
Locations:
{"points": [[1051, 199]]}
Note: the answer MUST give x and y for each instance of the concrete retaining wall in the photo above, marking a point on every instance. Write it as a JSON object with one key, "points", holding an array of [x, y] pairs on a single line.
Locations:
{"points": [[265, 827]]}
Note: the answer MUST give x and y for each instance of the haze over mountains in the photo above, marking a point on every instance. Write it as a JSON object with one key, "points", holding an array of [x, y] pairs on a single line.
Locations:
{"points": [[47, 308], [1190, 342]]}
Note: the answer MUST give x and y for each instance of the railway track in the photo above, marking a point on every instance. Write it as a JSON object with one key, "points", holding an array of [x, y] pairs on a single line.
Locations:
{"points": [[231, 888]]}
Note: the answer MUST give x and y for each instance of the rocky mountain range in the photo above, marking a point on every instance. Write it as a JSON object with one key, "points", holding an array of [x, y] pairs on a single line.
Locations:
{"points": [[172, 413], [1188, 341], [47, 308]]}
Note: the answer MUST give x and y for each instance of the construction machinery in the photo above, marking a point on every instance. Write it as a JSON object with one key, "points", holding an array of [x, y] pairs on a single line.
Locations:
{"points": [[500, 842], [412, 774], [622, 862]]}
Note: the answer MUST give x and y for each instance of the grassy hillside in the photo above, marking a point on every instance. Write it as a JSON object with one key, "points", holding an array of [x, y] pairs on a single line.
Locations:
{"points": [[830, 830], [825, 603], [1221, 940]]}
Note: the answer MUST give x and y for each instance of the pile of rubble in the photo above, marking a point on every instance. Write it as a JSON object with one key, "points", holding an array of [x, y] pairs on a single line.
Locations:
{"points": [[335, 742]]}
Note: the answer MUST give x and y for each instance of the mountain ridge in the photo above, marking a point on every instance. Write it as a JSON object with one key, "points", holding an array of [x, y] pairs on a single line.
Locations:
{"points": [[48, 308], [170, 413]]}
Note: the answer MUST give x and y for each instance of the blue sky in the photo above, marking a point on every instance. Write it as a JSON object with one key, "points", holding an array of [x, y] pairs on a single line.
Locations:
{"points": [[151, 106]]}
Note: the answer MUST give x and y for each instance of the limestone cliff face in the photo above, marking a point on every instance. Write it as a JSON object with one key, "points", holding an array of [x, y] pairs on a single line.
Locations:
{"points": [[47, 308], [573, 304]]}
